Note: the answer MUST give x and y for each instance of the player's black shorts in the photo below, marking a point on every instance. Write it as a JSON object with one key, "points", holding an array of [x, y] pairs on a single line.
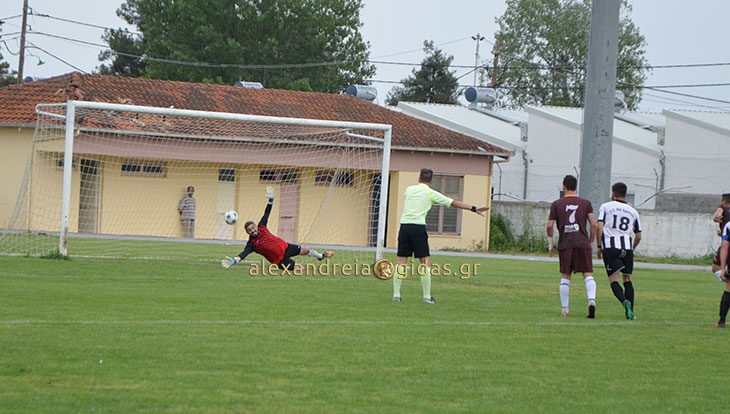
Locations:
{"points": [[618, 260], [413, 240], [291, 250]]}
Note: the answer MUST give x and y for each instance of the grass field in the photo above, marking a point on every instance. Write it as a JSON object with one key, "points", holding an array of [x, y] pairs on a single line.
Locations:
{"points": [[185, 335]]}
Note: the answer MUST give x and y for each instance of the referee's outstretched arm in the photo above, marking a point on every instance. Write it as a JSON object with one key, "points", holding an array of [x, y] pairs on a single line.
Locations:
{"points": [[464, 206]]}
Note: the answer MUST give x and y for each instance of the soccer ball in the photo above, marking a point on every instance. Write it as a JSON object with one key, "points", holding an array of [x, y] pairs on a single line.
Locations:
{"points": [[231, 217]]}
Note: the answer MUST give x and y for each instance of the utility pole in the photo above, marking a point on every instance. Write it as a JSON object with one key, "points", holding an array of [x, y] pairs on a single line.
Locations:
{"points": [[478, 38], [597, 133], [496, 62], [21, 57]]}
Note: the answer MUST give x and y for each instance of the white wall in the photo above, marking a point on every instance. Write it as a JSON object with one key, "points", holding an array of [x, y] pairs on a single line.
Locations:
{"points": [[698, 158], [508, 178], [685, 235], [554, 151]]}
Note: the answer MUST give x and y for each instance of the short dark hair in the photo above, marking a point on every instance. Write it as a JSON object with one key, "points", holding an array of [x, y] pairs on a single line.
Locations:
{"points": [[619, 189], [570, 182], [189, 187], [245, 226], [726, 197], [426, 175]]}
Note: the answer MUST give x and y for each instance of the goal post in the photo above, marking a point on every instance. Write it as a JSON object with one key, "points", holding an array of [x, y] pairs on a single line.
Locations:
{"points": [[124, 169]]}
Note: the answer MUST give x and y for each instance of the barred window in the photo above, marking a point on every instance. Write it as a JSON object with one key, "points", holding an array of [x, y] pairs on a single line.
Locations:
{"points": [[227, 175], [441, 219]]}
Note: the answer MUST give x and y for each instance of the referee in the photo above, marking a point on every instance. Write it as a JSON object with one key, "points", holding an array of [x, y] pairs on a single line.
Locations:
{"points": [[413, 238]]}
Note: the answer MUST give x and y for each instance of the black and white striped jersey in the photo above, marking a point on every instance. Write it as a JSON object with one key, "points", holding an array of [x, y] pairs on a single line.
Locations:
{"points": [[620, 220]]}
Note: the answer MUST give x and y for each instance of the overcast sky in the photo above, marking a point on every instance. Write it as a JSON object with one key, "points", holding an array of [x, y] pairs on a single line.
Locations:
{"points": [[676, 31]]}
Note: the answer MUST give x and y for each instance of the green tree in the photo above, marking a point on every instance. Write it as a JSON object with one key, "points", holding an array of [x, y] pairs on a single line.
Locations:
{"points": [[543, 53], [291, 44], [433, 82], [7, 76]]}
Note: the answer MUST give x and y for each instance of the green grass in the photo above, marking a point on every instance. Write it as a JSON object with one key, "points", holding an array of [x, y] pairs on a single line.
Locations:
{"points": [[184, 335]]}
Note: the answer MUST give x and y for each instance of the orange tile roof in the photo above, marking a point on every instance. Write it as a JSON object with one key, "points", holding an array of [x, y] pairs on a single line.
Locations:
{"points": [[17, 105]]}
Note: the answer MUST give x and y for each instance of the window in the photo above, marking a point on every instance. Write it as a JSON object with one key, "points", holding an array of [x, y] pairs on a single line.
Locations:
{"points": [[289, 177], [156, 169], [345, 179], [227, 175], [145, 169], [268, 175], [130, 168], [60, 162], [323, 177], [441, 219]]}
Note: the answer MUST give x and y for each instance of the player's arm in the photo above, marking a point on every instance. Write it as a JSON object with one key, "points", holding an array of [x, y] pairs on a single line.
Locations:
{"points": [[717, 218], [599, 239], [594, 226], [551, 241], [637, 232], [270, 195], [462, 205], [723, 257], [228, 261]]}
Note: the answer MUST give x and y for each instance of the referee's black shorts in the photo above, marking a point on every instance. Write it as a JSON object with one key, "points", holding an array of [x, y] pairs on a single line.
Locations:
{"points": [[413, 240]]}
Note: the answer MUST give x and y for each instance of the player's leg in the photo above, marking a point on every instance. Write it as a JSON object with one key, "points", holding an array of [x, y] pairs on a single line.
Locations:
{"points": [[724, 306], [307, 251], [583, 262], [422, 251], [424, 271], [287, 263], [716, 264], [566, 269], [405, 250], [614, 265]]}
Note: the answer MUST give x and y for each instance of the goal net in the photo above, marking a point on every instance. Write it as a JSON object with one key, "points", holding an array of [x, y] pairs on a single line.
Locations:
{"points": [[107, 180]]}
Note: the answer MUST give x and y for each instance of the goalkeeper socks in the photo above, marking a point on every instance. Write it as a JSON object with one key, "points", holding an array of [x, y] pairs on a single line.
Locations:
{"points": [[314, 253], [629, 292], [724, 305], [618, 292], [590, 288], [564, 292], [426, 283]]}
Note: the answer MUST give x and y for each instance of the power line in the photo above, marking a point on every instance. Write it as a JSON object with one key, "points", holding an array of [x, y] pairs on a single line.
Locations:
{"points": [[535, 66], [57, 58]]}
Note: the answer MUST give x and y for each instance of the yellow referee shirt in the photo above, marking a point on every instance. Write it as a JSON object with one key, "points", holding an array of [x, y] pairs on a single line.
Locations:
{"points": [[418, 200]]}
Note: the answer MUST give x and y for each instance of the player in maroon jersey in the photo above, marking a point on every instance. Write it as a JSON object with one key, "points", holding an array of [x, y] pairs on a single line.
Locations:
{"points": [[722, 217], [570, 213], [273, 248]]}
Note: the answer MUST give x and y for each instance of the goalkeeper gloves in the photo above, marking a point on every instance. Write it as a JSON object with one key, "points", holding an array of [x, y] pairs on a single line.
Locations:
{"points": [[228, 262], [270, 194]]}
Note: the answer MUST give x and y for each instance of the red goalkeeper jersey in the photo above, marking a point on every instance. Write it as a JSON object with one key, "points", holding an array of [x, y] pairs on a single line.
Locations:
{"points": [[269, 246]]}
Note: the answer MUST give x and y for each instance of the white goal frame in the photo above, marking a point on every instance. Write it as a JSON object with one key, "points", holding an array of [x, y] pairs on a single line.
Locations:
{"points": [[70, 116]]}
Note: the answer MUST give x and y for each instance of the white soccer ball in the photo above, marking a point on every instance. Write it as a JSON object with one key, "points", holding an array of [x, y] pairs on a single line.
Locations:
{"points": [[231, 217]]}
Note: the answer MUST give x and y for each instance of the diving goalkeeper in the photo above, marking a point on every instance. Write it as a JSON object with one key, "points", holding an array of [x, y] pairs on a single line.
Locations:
{"points": [[273, 248]]}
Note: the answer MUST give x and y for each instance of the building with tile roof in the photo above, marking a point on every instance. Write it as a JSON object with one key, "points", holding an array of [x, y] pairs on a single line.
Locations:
{"points": [[456, 158]]}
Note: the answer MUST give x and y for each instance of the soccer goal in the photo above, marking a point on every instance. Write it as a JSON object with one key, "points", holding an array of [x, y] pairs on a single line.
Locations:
{"points": [[106, 180]]}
